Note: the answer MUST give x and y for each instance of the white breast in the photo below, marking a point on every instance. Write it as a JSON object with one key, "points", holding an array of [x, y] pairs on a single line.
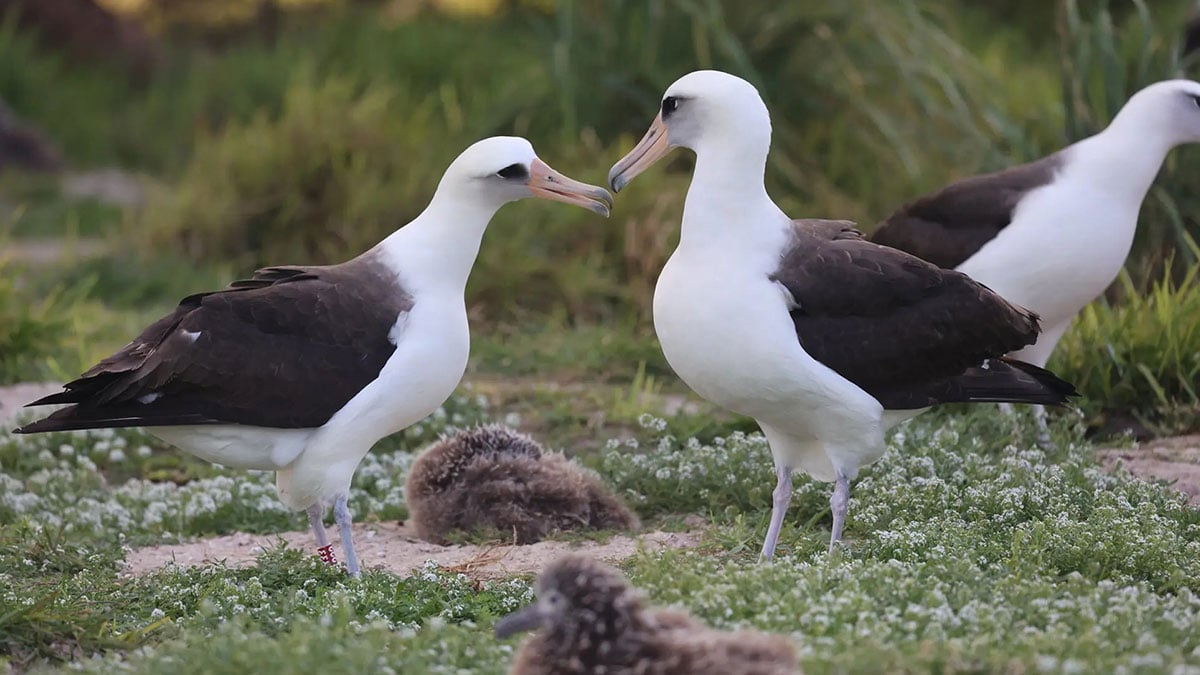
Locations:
{"points": [[725, 330]]}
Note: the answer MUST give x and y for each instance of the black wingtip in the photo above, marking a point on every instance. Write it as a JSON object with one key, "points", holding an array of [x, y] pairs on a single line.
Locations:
{"points": [[1055, 390], [1056, 387], [57, 398]]}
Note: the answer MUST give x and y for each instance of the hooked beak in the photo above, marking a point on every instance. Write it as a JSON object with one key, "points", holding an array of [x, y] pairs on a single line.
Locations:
{"points": [[546, 183], [648, 151], [526, 618]]}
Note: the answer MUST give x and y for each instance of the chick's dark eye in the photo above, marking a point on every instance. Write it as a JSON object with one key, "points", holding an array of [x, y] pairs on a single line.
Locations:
{"points": [[513, 171], [1195, 99], [669, 105]]}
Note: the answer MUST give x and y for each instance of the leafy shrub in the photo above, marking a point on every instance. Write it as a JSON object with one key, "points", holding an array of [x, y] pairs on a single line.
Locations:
{"points": [[336, 169]]}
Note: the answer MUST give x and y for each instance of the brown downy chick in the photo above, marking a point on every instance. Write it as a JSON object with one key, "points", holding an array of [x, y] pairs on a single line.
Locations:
{"points": [[590, 621], [493, 478]]}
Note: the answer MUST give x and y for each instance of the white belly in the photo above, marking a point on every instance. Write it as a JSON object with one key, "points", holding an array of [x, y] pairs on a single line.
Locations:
{"points": [[238, 446], [728, 335]]}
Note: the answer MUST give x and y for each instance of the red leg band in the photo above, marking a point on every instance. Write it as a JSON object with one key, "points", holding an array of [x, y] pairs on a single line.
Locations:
{"points": [[325, 553]]}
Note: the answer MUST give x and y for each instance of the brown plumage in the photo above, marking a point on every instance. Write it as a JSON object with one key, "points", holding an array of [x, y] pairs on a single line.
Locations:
{"points": [[590, 621], [285, 349], [493, 478], [948, 226], [907, 332]]}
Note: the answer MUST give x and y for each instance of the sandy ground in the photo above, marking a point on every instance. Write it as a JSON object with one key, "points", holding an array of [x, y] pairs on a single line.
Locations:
{"points": [[395, 548], [1175, 460]]}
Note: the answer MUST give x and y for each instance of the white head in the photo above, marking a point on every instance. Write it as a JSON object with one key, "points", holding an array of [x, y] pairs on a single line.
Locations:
{"points": [[704, 111], [1167, 111], [503, 169]]}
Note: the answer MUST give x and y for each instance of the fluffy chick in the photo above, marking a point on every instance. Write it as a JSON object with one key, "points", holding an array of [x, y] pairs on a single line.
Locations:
{"points": [[493, 478], [594, 623]]}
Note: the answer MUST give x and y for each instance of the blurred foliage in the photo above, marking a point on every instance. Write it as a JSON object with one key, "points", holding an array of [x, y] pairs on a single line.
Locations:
{"points": [[331, 173], [30, 330]]}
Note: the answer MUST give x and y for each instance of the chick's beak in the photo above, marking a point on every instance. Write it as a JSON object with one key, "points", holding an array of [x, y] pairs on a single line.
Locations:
{"points": [[546, 183], [648, 151], [526, 618]]}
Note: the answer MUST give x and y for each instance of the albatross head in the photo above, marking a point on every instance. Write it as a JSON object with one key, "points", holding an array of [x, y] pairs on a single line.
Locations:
{"points": [[503, 169], [1168, 111], [704, 111]]}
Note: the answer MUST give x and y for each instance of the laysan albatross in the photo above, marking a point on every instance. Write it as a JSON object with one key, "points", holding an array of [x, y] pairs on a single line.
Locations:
{"points": [[1052, 234], [824, 338], [301, 370]]}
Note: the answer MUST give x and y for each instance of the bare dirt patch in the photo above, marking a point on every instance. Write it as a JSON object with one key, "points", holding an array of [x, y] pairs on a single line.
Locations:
{"points": [[395, 548], [1175, 460]]}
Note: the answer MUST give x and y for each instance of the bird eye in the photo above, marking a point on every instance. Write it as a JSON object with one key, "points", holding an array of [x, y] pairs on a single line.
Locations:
{"points": [[1196, 100], [513, 171], [669, 105]]}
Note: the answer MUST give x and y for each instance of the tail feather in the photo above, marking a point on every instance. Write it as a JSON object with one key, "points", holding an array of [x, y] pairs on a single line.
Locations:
{"points": [[1006, 380]]}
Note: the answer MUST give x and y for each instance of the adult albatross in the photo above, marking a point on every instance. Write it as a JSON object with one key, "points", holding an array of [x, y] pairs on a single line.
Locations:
{"points": [[301, 370], [1051, 235], [824, 338]]}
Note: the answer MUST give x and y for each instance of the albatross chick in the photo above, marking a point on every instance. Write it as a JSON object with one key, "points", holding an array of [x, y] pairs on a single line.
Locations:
{"points": [[494, 479], [590, 621]]}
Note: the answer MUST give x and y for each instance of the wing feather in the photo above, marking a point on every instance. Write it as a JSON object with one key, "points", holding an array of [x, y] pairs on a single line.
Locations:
{"points": [[904, 330], [287, 348], [950, 225]]}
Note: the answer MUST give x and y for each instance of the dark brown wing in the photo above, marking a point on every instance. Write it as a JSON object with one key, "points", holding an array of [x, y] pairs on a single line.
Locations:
{"points": [[950, 225], [907, 332], [285, 349]]}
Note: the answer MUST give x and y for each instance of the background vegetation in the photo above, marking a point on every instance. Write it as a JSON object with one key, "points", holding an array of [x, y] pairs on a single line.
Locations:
{"points": [[310, 132], [306, 130]]}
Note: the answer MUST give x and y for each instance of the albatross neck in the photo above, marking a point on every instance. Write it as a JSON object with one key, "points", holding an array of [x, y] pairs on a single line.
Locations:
{"points": [[727, 201], [438, 248], [1124, 158]]}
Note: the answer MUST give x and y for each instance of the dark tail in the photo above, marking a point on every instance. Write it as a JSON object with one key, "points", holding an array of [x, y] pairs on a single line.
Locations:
{"points": [[1005, 380], [78, 417]]}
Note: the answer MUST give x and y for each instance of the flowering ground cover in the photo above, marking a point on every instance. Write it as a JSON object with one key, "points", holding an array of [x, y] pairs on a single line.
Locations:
{"points": [[970, 548]]}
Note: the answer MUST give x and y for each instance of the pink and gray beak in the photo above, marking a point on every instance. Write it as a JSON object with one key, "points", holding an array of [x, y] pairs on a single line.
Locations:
{"points": [[546, 183], [649, 150]]}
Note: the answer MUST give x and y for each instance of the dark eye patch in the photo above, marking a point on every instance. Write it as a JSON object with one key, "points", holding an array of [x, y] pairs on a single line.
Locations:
{"points": [[669, 105], [1195, 99], [513, 171]]}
